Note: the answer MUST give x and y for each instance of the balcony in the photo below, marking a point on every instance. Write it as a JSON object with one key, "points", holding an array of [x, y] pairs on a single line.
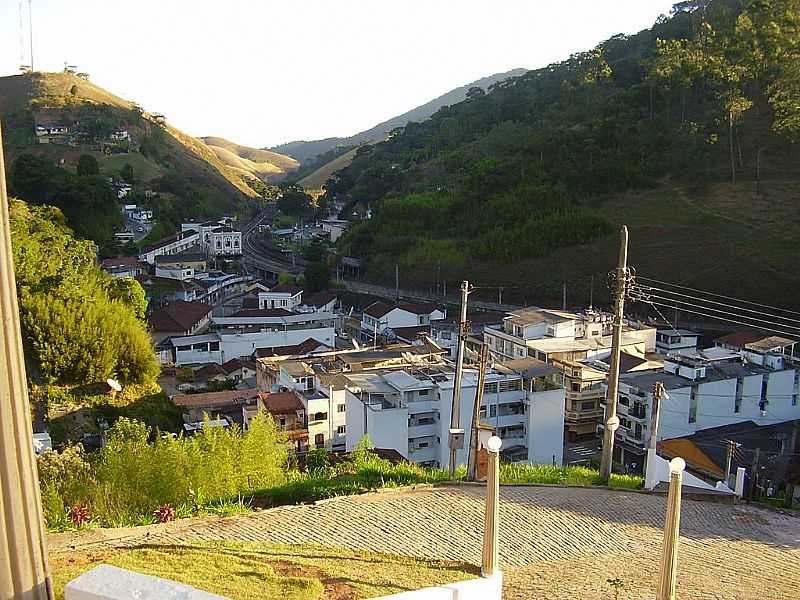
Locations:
{"points": [[422, 406], [575, 416], [423, 454], [423, 430], [507, 420]]}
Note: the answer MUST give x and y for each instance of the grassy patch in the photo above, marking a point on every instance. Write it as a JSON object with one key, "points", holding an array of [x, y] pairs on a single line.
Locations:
{"points": [[578, 476], [256, 571]]}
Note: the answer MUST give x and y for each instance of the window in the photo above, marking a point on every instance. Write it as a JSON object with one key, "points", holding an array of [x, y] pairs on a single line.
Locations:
{"points": [[762, 405], [493, 410], [282, 421], [511, 386], [483, 412], [341, 408], [796, 390], [624, 400], [319, 440], [422, 445], [637, 432], [424, 392], [213, 346], [341, 429], [693, 405], [588, 405], [490, 388], [576, 387], [737, 403], [235, 243], [200, 347], [624, 422], [183, 348]]}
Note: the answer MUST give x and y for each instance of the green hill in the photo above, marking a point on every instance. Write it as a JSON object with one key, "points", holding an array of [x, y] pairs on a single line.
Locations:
{"points": [[524, 186], [306, 151], [191, 179]]}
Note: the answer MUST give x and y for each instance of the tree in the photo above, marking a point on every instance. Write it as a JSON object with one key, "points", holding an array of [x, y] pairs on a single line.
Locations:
{"points": [[130, 292], [126, 173], [87, 165], [317, 276]]}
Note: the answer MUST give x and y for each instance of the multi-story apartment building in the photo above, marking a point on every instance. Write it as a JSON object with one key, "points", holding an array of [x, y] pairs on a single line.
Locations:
{"points": [[676, 341], [759, 384], [409, 410], [568, 340]]}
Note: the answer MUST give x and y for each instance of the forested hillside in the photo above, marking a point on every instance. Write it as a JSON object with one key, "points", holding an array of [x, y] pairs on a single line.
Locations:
{"points": [[666, 130]]}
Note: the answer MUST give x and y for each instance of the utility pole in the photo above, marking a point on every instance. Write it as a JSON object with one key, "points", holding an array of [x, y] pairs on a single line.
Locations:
{"points": [[396, 281], [731, 447], [30, 27], [591, 292], [612, 421], [564, 296], [655, 411], [500, 295], [456, 438], [754, 473], [476, 414], [788, 495]]}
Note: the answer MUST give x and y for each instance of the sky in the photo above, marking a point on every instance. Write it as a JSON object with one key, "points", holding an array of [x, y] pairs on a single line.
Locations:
{"points": [[262, 72]]}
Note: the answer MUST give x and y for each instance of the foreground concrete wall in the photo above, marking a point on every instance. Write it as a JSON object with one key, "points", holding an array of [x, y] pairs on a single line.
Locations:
{"points": [[105, 582], [488, 588]]}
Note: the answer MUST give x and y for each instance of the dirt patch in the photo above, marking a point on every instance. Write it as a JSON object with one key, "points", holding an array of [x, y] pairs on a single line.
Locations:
{"points": [[335, 588]]}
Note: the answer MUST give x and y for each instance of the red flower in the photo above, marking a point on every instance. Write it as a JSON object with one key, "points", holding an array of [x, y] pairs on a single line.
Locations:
{"points": [[79, 514], [164, 513]]}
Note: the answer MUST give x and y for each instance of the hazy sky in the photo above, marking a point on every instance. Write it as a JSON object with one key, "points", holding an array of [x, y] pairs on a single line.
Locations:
{"points": [[265, 72]]}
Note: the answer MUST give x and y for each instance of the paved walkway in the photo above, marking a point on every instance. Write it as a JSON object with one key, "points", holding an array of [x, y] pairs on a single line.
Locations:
{"points": [[555, 542]]}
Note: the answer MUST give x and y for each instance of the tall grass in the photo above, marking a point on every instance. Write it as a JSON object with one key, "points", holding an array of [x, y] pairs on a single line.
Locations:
{"points": [[131, 477], [571, 475]]}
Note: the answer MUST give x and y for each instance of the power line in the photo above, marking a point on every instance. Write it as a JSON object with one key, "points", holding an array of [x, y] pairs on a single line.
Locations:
{"points": [[719, 318], [719, 295], [791, 320], [646, 296]]}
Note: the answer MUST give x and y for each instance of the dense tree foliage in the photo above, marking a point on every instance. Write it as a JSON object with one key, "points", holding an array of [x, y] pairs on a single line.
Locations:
{"points": [[87, 200], [523, 169], [78, 324]]}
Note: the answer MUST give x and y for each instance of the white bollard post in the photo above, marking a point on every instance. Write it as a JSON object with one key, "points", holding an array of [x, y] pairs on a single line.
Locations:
{"points": [[669, 556], [489, 556], [740, 481]]}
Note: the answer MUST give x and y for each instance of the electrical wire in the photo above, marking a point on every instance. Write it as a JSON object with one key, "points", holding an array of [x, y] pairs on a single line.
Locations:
{"points": [[719, 295], [707, 300], [646, 295], [718, 318]]}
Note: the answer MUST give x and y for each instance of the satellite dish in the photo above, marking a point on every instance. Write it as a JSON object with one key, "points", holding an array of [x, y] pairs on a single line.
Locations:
{"points": [[114, 385]]}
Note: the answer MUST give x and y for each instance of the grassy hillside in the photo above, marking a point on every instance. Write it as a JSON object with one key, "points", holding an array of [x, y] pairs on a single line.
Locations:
{"points": [[316, 179], [165, 149], [524, 186], [305, 151], [253, 162]]}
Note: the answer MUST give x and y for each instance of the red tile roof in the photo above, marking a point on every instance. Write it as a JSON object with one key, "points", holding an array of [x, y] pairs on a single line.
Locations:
{"points": [[281, 403], [739, 339], [216, 399], [319, 299], [179, 316], [380, 309], [303, 347], [262, 312], [235, 364], [208, 372], [286, 288], [121, 261]]}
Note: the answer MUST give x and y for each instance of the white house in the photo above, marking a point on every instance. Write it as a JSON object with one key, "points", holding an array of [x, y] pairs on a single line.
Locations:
{"points": [[676, 341], [283, 295], [380, 316], [122, 266]]}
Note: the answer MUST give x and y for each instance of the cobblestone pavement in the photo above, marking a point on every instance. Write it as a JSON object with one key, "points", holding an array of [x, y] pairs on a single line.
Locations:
{"points": [[554, 542]]}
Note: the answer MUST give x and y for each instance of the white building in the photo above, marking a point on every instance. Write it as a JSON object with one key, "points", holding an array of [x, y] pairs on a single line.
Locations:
{"points": [[378, 317], [173, 244], [335, 228], [283, 295], [219, 346], [409, 410], [676, 341], [759, 385]]}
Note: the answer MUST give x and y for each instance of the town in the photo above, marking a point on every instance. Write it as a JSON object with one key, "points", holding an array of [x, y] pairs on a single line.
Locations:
{"points": [[478, 302]]}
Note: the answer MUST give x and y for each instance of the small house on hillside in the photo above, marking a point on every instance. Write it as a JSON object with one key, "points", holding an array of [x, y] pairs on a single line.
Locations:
{"points": [[380, 316], [122, 266], [179, 319]]}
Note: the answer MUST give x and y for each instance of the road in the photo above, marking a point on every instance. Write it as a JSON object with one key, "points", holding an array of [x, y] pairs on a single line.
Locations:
{"points": [[555, 543]]}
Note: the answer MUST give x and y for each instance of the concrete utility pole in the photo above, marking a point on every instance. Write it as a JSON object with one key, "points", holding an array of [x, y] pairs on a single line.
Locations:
{"points": [[472, 469], [396, 281], [754, 475], [564, 296], [669, 557], [456, 438], [612, 421], [655, 410], [500, 295], [24, 572], [489, 555]]}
